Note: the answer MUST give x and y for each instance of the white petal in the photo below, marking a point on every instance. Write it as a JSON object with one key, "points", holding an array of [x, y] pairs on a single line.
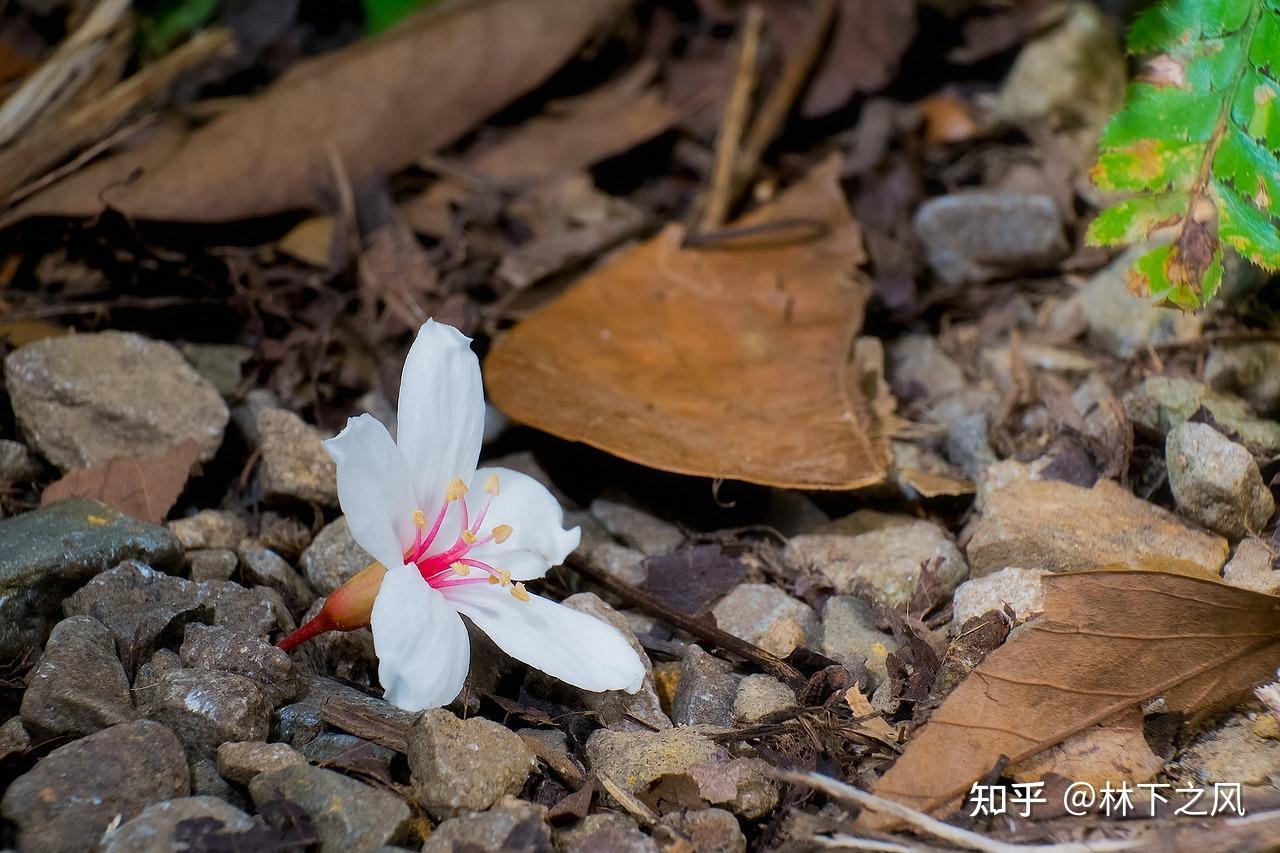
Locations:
{"points": [[574, 647], [374, 489], [441, 415], [422, 645], [538, 539]]}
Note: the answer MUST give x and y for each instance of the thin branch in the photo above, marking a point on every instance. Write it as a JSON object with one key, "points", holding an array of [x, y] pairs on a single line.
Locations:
{"points": [[738, 107]]}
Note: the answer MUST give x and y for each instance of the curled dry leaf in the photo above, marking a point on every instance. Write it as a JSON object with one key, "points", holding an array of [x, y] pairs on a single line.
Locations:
{"points": [[377, 106], [1108, 641], [142, 488], [733, 362]]}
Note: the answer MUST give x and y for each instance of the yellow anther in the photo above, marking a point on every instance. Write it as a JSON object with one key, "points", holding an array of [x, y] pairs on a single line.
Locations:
{"points": [[504, 577], [457, 488], [419, 519], [461, 568], [468, 537], [491, 484], [493, 580], [519, 592], [502, 533]]}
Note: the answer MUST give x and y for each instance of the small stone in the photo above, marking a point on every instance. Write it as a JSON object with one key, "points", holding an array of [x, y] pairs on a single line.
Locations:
{"points": [[206, 709], [760, 695], [490, 830], [75, 792], [333, 558], [239, 762], [464, 765], [347, 815], [84, 399], [1160, 403], [619, 561], [349, 656], [641, 530], [79, 686], [883, 564], [1057, 527], [606, 831], [14, 739], [295, 466], [1232, 752], [919, 371], [245, 415], [212, 564], [334, 746], [1249, 370], [206, 782], [706, 692], [264, 567], [301, 722], [975, 236], [850, 636], [217, 649], [1020, 589], [17, 463], [155, 829], [221, 364], [765, 615], [286, 535], [706, 830], [617, 708], [791, 513], [636, 760], [1253, 566], [1216, 481], [1123, 324], [46, 554], [210, 528]]}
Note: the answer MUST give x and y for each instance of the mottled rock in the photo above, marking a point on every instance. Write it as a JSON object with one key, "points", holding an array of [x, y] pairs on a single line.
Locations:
{"points": [[206, 709], [464, 765], [295, 466], [1249, 370], [287, 535], [882, 563], [1057, 527], [207, 782], [1160, 403], [615, 707], [760, 695], [155, 829], [707, 830], [765, 615], [791, 513], [1120, 322], [974, 236], [217, 649], [83, 399], [264, 567], [346, 655], [333, 557], [46, 554], [14, 738], [919, 371], [641, 530], [1229, 753], [299, 723], [619, 561], [1019, 589], [337, 746], [79, 686], [492, 829], [210, 528], [1216, 481], [605, 831], [240, 762], [706, 691], [1253, 566], [75, 792], [212, 564], [221, 364], [850, 635], [17, 463], [347, 815]]}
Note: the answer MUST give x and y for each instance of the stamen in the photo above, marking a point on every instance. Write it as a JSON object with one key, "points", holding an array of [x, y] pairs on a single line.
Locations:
{"points": [[469, 537], [502, 533], [457, 488], [519, 592], [461, 568], [419, 519], [491, 485]]}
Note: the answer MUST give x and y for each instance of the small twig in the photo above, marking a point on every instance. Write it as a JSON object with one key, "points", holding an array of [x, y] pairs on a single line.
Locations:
{"points": [[737, 109], [737, 646], [135, 302], [932, 826]]}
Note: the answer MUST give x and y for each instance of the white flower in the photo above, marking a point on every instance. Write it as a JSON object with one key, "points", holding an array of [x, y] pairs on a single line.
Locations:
{"points": [[454, 539]]}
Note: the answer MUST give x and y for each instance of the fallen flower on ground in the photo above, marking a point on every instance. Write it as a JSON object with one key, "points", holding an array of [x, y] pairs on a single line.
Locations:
{"points": [[452, 539]]}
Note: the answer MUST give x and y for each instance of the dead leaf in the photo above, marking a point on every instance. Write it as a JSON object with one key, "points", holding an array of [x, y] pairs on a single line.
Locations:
{"points": [[1108, 641], [1113, 751], [866, 719], [732, 362], [689, 579], [141, 488], [310, 241], [370, 105], [947, 119]]}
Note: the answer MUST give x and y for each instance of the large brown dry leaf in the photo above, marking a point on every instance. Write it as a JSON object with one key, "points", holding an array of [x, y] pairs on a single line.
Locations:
{"points": [[733, 362], [142, 488], [1108, 641], [377, 106]]}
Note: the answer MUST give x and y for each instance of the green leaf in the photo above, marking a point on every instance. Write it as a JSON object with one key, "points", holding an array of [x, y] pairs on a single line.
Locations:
{"points": [[164, 23], [381, 14], [1197, 143]]}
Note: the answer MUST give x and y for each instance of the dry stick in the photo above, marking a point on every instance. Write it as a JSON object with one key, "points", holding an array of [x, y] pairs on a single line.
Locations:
{"points": [[737, 646], [777, 106], [729, 140], [955, 835]]}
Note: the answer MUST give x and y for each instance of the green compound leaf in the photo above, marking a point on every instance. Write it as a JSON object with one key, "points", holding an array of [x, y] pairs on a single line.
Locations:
{"points": [[1197, 144]]}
